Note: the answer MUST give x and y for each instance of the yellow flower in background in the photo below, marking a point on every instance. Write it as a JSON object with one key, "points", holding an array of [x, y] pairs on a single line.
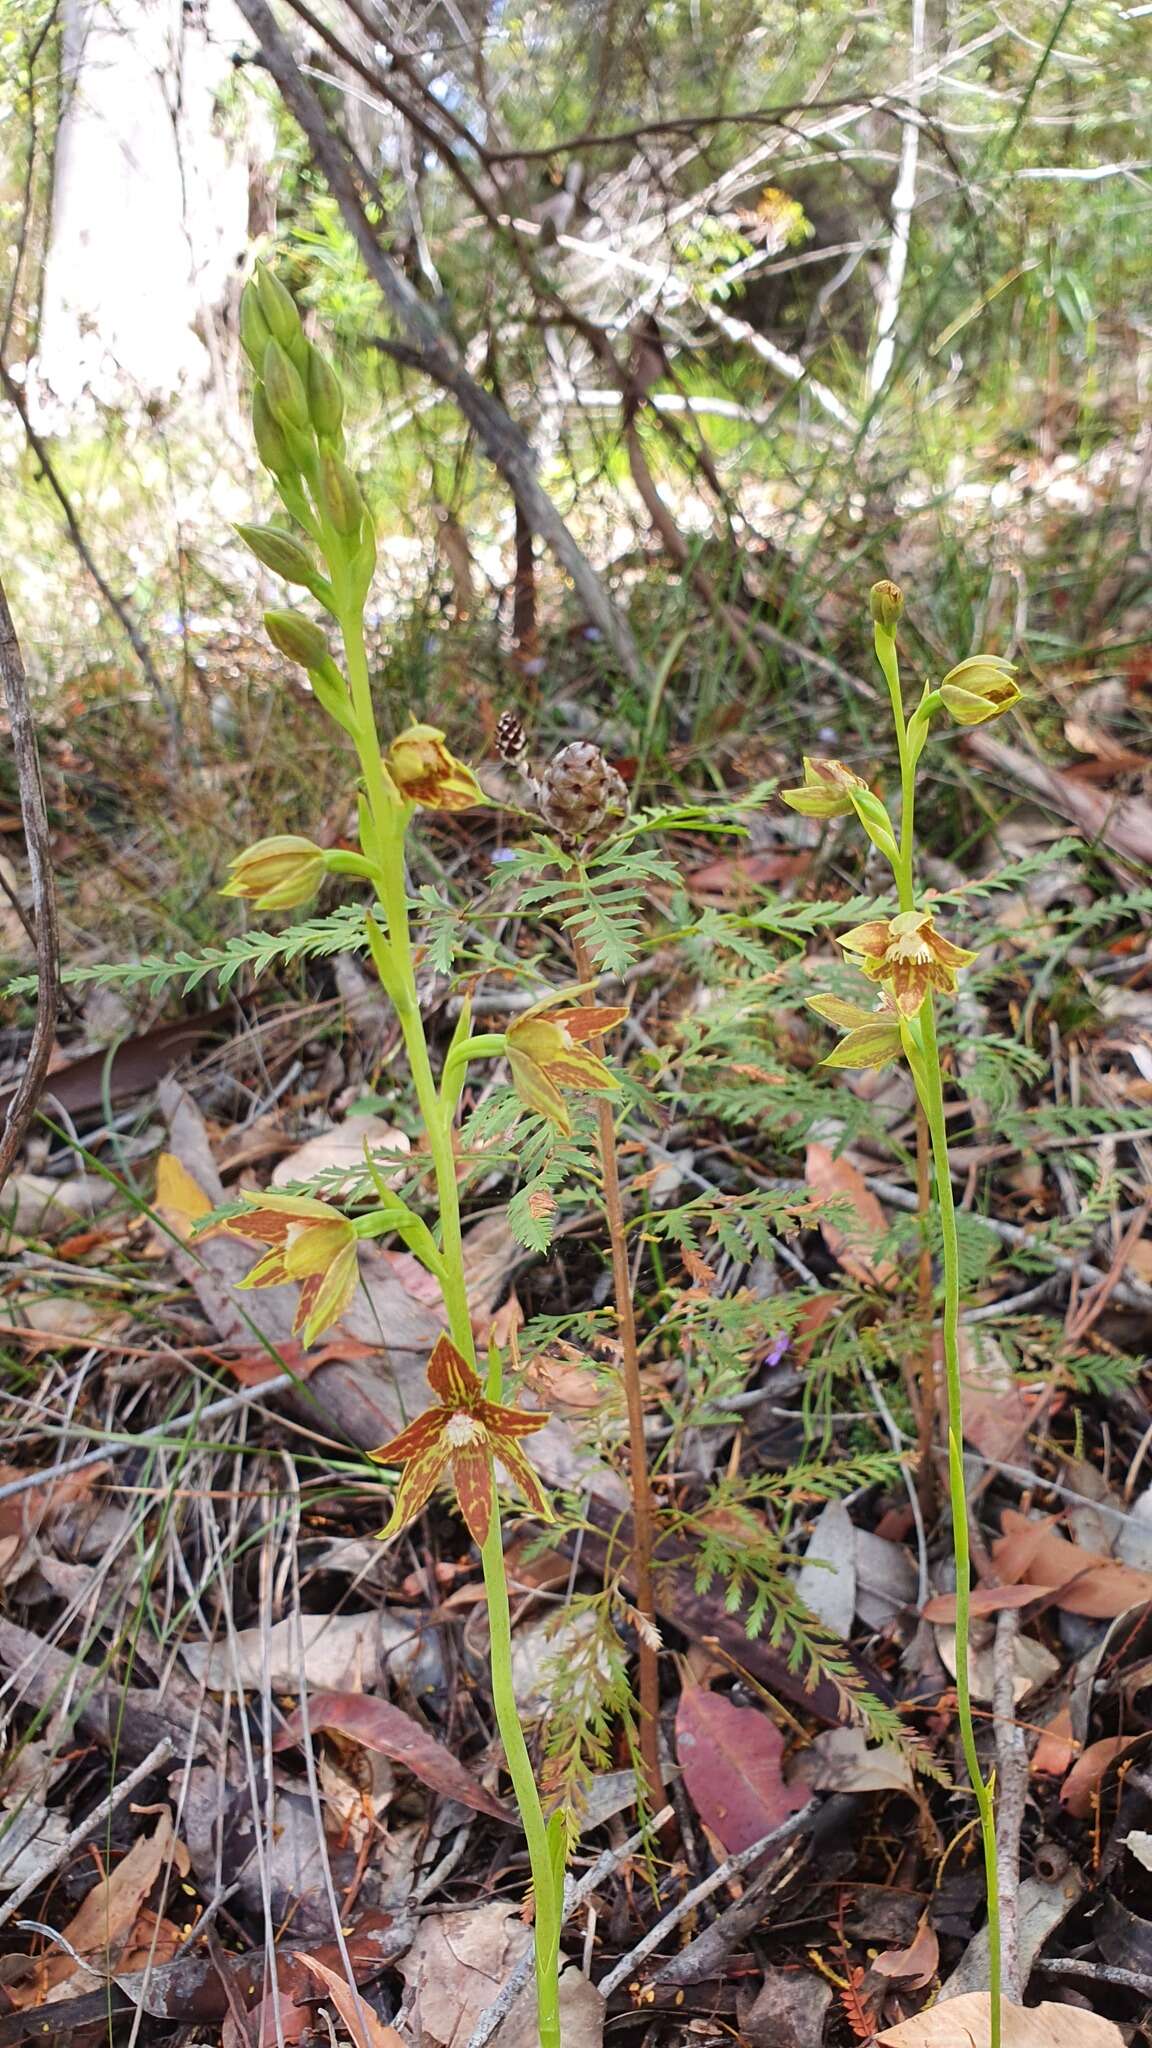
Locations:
{"points": [[826, 791], [546, 1051], [907, 956], [425, 772], [980, 688], [309, 1242], [277, 873]]}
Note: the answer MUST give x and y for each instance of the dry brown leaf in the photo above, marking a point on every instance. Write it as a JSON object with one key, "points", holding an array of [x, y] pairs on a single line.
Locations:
{"points": [[1083, 1581], [342, 1148], [852, 1244], [996, 1414], [581, 2015], [110, 1926], [361, 2022], [1033, 1665], [1081, 1787], [915, 1965], [1054, 1753], [839, 1760], [456, 1966], [983, 1600], [338, 1652], [967, 2023]]}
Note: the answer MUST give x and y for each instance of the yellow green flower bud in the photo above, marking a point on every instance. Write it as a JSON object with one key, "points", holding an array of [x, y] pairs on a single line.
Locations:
{"points": [[294, 635], [280, 552], [827, 790], [278, 307], [980, 688], [325, 396], [424, 772], [277, 873], [287, 398], [255, 333], [271, 446], [341, 498], [886, 602]]}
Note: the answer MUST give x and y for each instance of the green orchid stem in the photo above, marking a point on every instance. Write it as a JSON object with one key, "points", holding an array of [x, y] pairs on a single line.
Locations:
{"points": [[931, 1088], [929, 1083], [388, 820], [548, 1906]]}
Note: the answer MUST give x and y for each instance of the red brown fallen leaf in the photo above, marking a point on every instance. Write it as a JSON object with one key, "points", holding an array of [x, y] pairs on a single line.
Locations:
{"points": [[357, 2015], [731, 1758], [1082, 1581], [379, 1726], [983, 1600], [1081, 1787], [837, 1181], [1056, 1750], [915, 1965]]}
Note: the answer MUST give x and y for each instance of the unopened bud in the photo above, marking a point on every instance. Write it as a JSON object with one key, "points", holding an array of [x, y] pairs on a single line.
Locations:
{"points": [[827, 791], [341, 498], [255, 333], [278, 307], [980, 688], [280, 552], [325, 396], [287, 398], [886, 602], [277, 873], [294, 635], [271, 446]]}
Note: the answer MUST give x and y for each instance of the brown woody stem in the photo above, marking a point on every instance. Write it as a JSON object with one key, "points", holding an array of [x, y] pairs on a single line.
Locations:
{"points": [[643, 1510]]}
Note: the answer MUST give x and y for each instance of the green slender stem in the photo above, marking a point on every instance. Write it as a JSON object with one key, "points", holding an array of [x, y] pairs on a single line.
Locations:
{"points": [[929, 1084], [388, 821], [932, 1098], [547, 1930]]}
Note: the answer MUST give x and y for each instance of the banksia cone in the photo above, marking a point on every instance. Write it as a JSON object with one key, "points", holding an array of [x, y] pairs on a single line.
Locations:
{"points": [[511, 739], [579, 789]]}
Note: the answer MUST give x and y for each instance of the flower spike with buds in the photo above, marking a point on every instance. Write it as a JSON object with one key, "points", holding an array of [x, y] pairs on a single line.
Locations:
{"points": [[546, 1051], [423, 771], [465, 1432], [911, 960], [906, 955], [309, 1242], [277, 873], [980, 688]]}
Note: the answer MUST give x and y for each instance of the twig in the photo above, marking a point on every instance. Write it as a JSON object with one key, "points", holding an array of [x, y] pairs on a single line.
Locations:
{"points": [[640, 1482], [192, 1417], [574, 1897], [896, 1439], [502, 440], [115, 604], [22, 1106], [1101, 1973], [731, 1867], [1012, 1791], [80, 1833], [1131, 1293]]}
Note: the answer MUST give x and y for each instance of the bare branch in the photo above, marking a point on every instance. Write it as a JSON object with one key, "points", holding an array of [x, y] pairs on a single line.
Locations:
{"points": [[32, 809]]}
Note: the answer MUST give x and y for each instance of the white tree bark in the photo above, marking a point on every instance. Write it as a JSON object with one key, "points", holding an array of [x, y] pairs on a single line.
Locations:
{"points": [[903, 201], [150, 205]]}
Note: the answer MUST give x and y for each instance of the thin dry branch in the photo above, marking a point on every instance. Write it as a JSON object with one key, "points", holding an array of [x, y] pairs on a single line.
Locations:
{"points": [[22, 1106]]}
